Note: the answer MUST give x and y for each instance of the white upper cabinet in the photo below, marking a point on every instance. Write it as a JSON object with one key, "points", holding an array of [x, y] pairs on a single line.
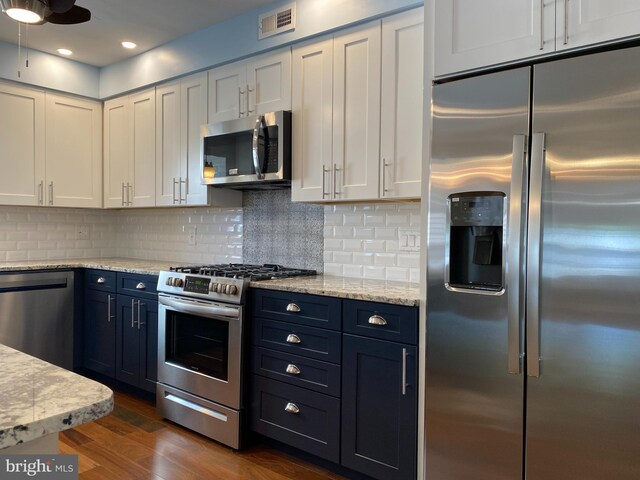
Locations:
{"points": [[356, 113], [255, 86], [129, 151], [401, 119], [168, 155], [312, 104], [471, 34], [22, 136], [585, 22], [73, 143]]}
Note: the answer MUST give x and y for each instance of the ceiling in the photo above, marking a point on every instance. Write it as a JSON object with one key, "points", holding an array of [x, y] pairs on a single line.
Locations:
{"points": [[148, 23]]}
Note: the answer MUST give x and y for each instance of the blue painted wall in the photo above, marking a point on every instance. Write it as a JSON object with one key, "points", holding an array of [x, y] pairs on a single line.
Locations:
{"points": [[238, 38], [49, 71]]}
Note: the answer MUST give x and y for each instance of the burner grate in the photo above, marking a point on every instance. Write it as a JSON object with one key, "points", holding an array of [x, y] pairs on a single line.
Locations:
{"points": [[241, 270]]}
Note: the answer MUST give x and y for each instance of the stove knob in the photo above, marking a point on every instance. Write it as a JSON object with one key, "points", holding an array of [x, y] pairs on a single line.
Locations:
{"points": [[178, 282], [212, 287], [170, 281], [223, 288], [233, 290], [215, 287]]}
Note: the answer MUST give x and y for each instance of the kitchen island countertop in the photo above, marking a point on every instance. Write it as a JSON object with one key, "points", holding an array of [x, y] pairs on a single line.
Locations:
{"points": [[39, 399]]}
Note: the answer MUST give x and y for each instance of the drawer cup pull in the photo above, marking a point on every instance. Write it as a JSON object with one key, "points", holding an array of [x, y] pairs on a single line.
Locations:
{"points": [[293, 338], [141, 286], [377, 320], [292, 307], [293, 369], [291, 408], [100, 280]]}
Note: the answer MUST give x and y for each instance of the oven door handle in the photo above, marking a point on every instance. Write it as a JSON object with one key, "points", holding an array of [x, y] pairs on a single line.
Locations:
{"points": [[206, 311], [256, 154]]}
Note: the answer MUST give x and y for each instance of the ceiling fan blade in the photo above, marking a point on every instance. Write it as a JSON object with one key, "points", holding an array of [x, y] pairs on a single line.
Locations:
{"points": [[74, 15], [61, 6]]}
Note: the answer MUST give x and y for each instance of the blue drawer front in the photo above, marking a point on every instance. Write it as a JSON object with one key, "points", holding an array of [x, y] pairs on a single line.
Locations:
{"points": [[315, 343], [314, 429], [314, 310], [101, 280], [401, 323], [315, 375], [141, 286]]}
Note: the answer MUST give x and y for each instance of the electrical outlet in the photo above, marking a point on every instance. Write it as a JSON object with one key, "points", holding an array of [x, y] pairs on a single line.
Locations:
{"points": [[409, 240], [191, 235], [82, 232]]}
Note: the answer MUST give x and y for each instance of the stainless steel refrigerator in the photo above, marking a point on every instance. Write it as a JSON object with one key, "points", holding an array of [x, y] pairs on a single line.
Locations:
{"points": [[533, 273]]}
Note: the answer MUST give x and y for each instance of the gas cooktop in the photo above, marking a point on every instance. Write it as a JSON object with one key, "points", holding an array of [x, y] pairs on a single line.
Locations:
{"points": [[244, 271]]}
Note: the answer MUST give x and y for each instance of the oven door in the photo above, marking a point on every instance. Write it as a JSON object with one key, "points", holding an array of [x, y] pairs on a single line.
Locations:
{"points": [[200, 348]]}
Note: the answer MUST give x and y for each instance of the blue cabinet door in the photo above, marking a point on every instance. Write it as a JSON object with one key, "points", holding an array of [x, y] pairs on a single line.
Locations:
{"points": [[148, 345], [127, 342], [379, 416], [100, 332]]}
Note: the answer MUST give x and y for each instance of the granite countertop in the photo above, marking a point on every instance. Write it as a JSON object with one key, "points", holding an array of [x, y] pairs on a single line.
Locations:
{"points": [[399, 293], [38, 398]]}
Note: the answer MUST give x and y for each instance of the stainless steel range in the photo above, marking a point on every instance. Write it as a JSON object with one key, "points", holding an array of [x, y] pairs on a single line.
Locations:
{"points": [[200, 336]]}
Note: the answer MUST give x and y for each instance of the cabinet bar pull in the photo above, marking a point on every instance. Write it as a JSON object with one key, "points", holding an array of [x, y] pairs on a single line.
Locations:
{"points": [[292, 307], [123, 194], [291, 408], [324, 178], [384, 177], [377, 320], [566, 21], [41, 193], [240, 93], [140, 322], [100, 280], [129, 194], [541, 24], [108, 308], [141, 286], [249, 91], [335, 182], [293, 338], [185, 190], [293, 369], [133, 316], [174, 191], [404, 371], [51, 193]]}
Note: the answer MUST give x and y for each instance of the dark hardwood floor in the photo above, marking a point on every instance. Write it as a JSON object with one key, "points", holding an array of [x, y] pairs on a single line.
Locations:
{"points": [[134, 442]]}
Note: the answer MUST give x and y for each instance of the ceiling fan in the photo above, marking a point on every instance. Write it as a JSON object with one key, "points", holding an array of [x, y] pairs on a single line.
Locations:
{"points": [[38, 12]]}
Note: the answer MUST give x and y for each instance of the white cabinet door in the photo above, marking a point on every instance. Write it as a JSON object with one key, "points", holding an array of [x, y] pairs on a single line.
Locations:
{"points": [[583, 22], [227, 92], [73, 152], [194, 114], [401, 119], [22, 137], [116, 152], [168, 165], [356, 113], [269, 83], [312, 104], [142, 149], [471, 34]]}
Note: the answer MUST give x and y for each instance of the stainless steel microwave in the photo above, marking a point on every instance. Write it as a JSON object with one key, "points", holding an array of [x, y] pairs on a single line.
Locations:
{"points": [[251, 152]]}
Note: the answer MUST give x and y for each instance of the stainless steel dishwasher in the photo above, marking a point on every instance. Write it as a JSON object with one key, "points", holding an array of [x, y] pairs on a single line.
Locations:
{"points": [[36, 315]]}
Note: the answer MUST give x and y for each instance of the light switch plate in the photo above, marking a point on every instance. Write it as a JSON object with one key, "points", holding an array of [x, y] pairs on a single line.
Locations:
{"points": [[82, 232], [191, 235], [409, 240]]}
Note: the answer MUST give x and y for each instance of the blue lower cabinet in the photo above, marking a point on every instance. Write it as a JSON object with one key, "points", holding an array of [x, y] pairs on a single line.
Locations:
{"points": [[136, 341], [296, 416], [379, 415], [100, 332]]}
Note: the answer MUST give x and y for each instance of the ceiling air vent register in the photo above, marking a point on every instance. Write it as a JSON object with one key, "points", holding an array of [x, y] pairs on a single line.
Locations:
{"points": [[277, 21]]}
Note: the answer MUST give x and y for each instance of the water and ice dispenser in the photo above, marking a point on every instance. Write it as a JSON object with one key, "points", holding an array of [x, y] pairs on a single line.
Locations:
{"points": [[476, 241]]}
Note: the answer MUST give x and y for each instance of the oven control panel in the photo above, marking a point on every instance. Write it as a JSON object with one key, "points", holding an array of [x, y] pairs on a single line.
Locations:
{"points": [[201, 286]]}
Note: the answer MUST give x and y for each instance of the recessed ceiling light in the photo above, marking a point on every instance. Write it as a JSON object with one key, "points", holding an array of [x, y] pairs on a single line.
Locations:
{"points": [[129, 45], [64, 51]]}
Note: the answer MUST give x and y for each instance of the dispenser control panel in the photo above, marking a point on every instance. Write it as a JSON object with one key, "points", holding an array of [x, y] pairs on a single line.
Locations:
{"points": [[476, 210]]}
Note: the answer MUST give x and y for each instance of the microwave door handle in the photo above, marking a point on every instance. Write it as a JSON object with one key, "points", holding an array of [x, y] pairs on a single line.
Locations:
{"points": [[256, 156]]}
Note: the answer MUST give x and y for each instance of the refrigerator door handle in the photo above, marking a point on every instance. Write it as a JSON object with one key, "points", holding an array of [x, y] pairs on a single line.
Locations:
{"points": [[534, 238], [513, 255]]}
